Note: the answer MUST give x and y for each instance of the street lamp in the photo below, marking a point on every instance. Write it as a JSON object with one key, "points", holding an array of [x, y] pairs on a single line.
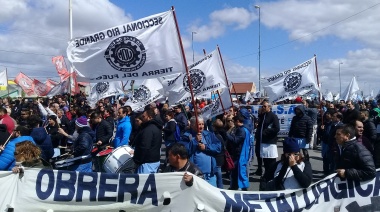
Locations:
{"points": [[258, 7], [340, 82], [192, 42]]}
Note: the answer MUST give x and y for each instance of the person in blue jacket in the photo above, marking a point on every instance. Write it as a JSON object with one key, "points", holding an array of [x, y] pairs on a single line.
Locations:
{"points": [[202, 147], [7, 158], [41, 137], [124, 128]]}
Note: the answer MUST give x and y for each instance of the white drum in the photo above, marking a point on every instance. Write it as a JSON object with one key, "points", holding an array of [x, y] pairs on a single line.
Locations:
{"points": [[120, 160]]}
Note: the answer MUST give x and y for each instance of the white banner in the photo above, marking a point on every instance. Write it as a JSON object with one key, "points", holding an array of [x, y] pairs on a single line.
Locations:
{"points": [[142, 49], [102, 90], [350, 92], [285, 114], [59, 190], [206, 76], [215, 108], [3, 80], [148, 92], [298, 80]]}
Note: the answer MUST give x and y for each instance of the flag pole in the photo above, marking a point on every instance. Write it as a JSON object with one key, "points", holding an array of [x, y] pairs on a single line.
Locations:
{"points": [[221, 102], [224, 70], [6, 74], [187, 70], [71, 37], [319, 90]]}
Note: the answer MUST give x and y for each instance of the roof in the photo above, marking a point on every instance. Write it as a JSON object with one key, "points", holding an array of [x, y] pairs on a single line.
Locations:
{"points": [[243, 87]]}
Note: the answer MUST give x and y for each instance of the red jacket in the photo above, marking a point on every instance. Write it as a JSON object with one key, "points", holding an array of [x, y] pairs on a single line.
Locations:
{"points": [[8, 121]]}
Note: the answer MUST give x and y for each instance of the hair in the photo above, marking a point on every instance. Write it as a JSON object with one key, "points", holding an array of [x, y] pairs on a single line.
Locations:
{"points": [[24, 131], [179, 149], [239, 118], [34, 120], [80, 112], [301, 157], [193, 120], [365, 112], [347, 129], [169, 113], [217, 124], [150, 113], [124, 110], [234, 108], [128, 108], [95, 115], [338, 115], [28, 150]]}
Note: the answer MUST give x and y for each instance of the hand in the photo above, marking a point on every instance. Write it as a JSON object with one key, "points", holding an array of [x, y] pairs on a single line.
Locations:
{"points": [[292, 160], [99, 143], [341, 173], [1, 148], [17, 169], [323, 127], [198, 137], [201, 147], [187, 177]]}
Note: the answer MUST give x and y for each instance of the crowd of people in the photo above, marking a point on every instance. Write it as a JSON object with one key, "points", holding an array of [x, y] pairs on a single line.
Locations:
{"points": [[39, 132]]}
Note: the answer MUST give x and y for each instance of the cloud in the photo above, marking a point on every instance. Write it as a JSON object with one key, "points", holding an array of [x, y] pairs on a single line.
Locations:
{"points": [[237, 18]]}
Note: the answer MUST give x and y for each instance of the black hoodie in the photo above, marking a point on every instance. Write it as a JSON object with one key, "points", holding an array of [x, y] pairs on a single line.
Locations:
{"points": [[301, 126]]}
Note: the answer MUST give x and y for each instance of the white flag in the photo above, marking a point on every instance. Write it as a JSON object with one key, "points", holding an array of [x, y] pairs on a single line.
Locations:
{"points": [[352, 88], [298, 80], [215, 108], [247, 96], [329, 97], [61, 88], [3, 80], [148, 92], [142, 49], [102, 90], [337, 97], [206, 76]]}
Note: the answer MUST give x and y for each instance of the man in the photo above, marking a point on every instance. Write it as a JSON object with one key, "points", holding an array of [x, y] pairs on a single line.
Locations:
{"points": [[238, 145], [148, 144], [41, 137], [355, 161], [312, 111], [7, 120], [123, 129], [325, 132], [202, 146], [266, 137], [351, 114], [102, 130], [369, 126], [180, 118], [301, 128], [179, 162]]}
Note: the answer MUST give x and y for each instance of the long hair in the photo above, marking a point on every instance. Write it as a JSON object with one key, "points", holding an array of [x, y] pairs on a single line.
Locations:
{"points": [[27, 151]]}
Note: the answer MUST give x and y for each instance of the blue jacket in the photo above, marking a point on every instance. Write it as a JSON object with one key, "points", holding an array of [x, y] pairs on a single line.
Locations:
{"points": [[202, 158], [245, 155], [43, 141], [123, 131], [7, 157], [83, 144]]}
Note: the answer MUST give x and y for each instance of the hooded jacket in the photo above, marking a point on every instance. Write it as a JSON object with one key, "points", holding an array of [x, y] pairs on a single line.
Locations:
{"points": [[301, 126], [123, 131], [267, 128], [7, 157], [43, 141], [148, 143], [83, 144]]}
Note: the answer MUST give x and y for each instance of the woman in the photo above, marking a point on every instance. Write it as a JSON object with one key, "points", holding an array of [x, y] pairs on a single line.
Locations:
{"points": [[52, 129], [292, 171], [28, 155], [169, 130]]}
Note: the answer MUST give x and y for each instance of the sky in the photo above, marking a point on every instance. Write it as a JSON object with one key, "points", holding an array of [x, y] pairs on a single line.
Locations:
{"points": [[343, 34]]}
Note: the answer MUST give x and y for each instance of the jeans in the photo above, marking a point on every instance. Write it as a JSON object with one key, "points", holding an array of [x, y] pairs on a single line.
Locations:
{"points": [[219, 179], [148, 168]]}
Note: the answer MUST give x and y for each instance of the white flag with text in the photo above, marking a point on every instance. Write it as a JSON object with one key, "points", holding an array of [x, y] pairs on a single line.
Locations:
{"points": [[148, 92], [215, 108], [142, 49], [102, 90]]}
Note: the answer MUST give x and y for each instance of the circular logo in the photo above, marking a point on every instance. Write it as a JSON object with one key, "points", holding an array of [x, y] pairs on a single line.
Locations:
{"points": [[24, 83], [292, 81], [197, 78], [216, 106], [102, 87], [126, 54], [141, 94]]}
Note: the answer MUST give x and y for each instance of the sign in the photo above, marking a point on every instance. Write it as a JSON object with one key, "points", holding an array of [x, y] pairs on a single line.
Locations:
{"points": [[61, 190]]}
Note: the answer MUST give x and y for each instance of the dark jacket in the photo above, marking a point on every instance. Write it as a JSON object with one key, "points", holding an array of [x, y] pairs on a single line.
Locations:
{"points": [[189, 167], [313, 114], [43, 141], [370, 130], [104, 132], [65, 122], [357, 161], [350, 115], [235, 141], [55, 136], [169, 130], [267, 128], [181, 120], [83, 144], [301, 127], [148, 143]]}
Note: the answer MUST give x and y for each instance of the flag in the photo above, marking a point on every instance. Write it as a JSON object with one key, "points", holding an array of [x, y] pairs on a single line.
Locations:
{"points": [[329, 97], [206, 76], [25, 83], [337, 97], [60, 65], [298, 80], [352, 88], [148, 92], [142, 49], [51, 83], [3, 80], [73, 83], [102, 90], [61, 88], [247, 96], [215, 108], [39, 88]]}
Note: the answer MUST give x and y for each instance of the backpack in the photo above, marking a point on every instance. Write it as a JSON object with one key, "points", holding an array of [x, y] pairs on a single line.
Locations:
{"points": [[177, 133]]}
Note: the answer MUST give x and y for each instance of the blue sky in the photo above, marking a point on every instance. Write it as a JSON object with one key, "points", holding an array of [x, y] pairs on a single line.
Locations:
{"points": [[292, 31]]}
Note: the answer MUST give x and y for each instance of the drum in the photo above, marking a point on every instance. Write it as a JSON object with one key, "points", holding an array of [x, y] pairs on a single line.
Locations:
{"points": [[120, 160], [65, 163], [101, 157]]}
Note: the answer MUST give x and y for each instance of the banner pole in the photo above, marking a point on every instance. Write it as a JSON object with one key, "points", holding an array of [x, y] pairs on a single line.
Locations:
{"points": [[221, 102], [187, 69], [319, 90], [6, 73], [225, 74]]}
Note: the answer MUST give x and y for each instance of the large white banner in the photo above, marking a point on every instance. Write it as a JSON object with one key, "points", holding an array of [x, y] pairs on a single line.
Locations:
{"points": [[142, 49], [58, 190], [298, 80], [102, 90], [148, 92], [206, 76], [215, 108]]}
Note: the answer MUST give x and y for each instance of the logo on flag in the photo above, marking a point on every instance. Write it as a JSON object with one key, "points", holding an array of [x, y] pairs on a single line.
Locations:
{"points": [[141, 94], [126, 54], [197, 78], [292, 81], [216, 106], [102, 87]]}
